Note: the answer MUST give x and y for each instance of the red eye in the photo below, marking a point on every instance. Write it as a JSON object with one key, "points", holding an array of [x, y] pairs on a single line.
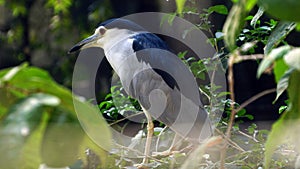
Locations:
{"points": [[102, 30]]}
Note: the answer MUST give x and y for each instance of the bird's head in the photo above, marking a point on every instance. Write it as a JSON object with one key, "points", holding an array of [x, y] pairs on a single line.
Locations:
{"points": [[107, 32]]}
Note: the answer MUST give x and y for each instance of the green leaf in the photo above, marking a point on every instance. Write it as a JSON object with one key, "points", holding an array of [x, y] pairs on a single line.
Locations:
{"points": [[30, 156], [29, 110], [270, 58], [30, 80], [250, 4], [241, 113], [61, 141], [282, 84], [221, 9], [294, 97], [93, 122], [292, 58], [279, 69], [180, 6], [234, 24], [298, 26], [282, 109], [276, 137], [287, 127], [249, 116], [10, 73], [256, 17], [278, 34], [22, 119]]}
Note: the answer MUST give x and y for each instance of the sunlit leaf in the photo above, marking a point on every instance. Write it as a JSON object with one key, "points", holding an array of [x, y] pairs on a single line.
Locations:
{"points": [[271, 57], [59, 6], [30, 155], [180, 6], [93, 122], [248, 46], [34, 79], [18, 9], [256, 17], [298, 26], [275, 138], [234, 24], [250, 4], [221, 9], [292, 58], [288, 124], [278, 34], [279, 69], [282, 84], [61, 140], [30, 80], [9, 74], [22, 119], [282, 109]]}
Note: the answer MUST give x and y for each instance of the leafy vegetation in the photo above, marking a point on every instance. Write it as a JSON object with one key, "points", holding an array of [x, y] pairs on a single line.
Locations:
{"points": [[38, 116], [39, 124]]}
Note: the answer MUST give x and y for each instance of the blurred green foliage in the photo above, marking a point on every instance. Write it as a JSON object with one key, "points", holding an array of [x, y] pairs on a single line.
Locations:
{"points": [[41, 32], [39, 123]]}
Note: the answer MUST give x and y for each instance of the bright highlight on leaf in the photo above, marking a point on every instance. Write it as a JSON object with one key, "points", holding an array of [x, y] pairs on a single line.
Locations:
{"points": [[270, 58], [221, 9], [180, 6], [234, 24], [292, 58], [278, 34]]}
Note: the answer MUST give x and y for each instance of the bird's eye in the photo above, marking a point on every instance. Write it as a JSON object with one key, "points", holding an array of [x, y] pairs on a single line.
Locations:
{"points": [[101, 30]]}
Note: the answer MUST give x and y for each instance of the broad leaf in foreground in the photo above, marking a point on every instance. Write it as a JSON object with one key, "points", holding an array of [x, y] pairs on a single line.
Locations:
{"points": [[22, 119], [286, 129]]}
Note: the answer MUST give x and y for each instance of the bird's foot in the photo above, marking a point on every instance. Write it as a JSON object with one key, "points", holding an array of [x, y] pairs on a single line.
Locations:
{"points": [[164, 153], [141, 166]]}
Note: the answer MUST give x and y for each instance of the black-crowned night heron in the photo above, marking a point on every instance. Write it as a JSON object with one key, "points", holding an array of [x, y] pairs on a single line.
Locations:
{"points": [[150, 73]]}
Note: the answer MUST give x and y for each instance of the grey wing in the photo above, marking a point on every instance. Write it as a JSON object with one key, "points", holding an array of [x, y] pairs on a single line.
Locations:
{"points": [[168, 91]]}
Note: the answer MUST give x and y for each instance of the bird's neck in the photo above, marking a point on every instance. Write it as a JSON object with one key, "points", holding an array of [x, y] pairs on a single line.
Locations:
{"points": [[114, 37]]}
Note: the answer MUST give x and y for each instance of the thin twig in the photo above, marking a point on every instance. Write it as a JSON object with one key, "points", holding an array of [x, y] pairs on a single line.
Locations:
{"points": [[118, 121], [232, 96], [158, 137], [255, 97], [234, 59], [233, 144], [244, 134], [232, 115], [239, 58]]}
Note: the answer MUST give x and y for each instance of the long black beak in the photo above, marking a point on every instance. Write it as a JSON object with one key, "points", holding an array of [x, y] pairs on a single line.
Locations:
{"points": [[83, 43]]}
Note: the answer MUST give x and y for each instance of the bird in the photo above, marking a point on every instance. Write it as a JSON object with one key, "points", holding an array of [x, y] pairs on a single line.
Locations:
{"points": [[151, 73]]}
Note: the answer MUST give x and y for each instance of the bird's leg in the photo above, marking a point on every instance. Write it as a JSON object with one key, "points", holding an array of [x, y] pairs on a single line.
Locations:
{"points": [[150, 130], [175, 144]]}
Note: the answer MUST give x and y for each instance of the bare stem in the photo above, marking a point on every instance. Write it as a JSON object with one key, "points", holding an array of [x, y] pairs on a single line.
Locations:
{"points": [[255, 97], [239, 58], [232, 97], [235, 59]]}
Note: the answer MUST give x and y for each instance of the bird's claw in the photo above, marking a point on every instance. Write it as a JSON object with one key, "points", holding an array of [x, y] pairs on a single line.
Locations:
{"points": [[164, 153], [141, 166]]}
